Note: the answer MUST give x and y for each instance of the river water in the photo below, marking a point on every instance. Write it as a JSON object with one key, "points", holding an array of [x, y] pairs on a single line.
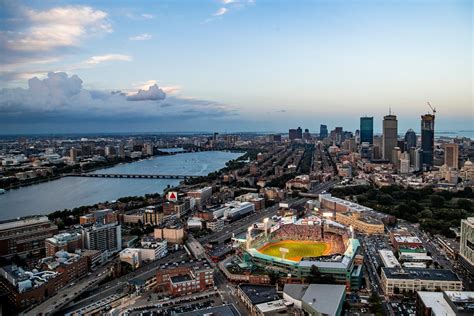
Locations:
{"points": [[70, 192]]}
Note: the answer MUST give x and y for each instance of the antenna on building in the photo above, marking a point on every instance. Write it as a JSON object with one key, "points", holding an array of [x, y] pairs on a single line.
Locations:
{"points": [[389, 110]]}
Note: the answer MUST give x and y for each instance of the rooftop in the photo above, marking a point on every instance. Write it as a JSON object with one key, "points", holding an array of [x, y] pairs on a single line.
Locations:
{"points": [[437, 303], [258, 294], [421, 274], [324, 298], [25, 221], [181, 278]]}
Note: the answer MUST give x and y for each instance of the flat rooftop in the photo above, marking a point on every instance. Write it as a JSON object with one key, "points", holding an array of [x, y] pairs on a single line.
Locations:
{"points": [[421, 274], [26, 221], [181, 278], [324, 298], [259, 294], [437, 303]]}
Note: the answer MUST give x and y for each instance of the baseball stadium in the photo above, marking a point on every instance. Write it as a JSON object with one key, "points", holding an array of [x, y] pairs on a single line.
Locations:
{"points": [[292, 247]]}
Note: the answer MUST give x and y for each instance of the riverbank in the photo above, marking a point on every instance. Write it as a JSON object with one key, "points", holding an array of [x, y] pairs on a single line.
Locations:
{"points": [[65, 170], [73, 192]]}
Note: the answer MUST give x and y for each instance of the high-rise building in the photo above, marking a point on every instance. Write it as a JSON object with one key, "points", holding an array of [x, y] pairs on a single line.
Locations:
{"points": [[451, 155], [390, 134], [295, 133], [73, 154], [103, 237], [323, 131], [367, 130], [410, 139], [466, 249], [427, 139]]}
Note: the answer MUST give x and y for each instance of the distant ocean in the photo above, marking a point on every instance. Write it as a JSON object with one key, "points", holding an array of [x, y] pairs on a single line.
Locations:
{"points": [[454, 134]]}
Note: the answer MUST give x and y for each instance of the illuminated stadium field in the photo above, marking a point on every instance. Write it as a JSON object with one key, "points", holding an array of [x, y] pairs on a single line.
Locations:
{"points": [[296, 249]]}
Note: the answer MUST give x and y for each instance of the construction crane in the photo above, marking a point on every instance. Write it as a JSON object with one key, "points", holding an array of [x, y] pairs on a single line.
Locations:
{"points": [[432, 108]]}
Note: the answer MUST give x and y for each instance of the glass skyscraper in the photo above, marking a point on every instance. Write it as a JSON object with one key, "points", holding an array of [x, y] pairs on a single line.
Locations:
{"points": [[427, 139], [410, 139], [367, 130]]}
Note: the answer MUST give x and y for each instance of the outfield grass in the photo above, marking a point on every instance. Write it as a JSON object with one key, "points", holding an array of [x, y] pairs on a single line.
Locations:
{"points": [[296, 249]]}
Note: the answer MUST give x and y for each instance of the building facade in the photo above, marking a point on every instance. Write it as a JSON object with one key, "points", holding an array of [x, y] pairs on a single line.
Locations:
{"points": [[427, 139], [25, 236], [390, 136], [367, 130]]}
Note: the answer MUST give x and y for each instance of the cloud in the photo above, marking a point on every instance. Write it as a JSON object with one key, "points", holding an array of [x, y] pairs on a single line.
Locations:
{"points": [[228, 1], [94, 60], [147, 16], [153, 93], [57, 27], [29, 37], [141, 37], [221, 12], [59, 103]]}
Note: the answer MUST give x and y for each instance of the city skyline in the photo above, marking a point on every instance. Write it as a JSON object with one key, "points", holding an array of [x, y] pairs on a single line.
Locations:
{"points": [[232, 66]]}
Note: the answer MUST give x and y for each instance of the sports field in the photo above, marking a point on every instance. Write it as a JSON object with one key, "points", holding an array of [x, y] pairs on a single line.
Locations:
{"points": [[296, 249]]}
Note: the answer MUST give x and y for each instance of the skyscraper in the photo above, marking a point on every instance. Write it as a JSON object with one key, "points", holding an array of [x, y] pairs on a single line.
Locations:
{"points": [[410, 139], [451, 155], [390, 132], [367, 130], [427, 139], [323, 131]]}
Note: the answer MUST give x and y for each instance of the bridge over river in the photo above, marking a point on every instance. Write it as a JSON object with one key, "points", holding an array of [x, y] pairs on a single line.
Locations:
{"points": [[132, 176]]}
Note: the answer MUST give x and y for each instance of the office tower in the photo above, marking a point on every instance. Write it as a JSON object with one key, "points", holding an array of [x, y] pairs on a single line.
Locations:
{"points": [[365, 151], [367, 130], [427, 139], [451, 155], [466, 249], [295, 133], [323, 131], [410, 139], [417, 163], [377, 149], [73, 154], [396, 152], [215, 136], [390, 133]]}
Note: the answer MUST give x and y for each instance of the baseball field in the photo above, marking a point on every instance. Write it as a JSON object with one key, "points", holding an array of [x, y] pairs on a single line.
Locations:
{"points": [[296, 249]]}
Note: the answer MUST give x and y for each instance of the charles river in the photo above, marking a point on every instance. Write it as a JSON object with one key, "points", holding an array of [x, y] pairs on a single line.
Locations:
{"points": [[70, 192]]}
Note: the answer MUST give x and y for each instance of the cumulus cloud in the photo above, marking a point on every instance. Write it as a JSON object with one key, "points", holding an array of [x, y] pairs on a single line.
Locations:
{"points": [[220, 12], [141, 37], [153, 93], [60, 97], [147, 16]]}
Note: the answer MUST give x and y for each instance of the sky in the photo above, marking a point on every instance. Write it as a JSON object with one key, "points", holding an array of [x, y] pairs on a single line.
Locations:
{"points": [[233, 65]]}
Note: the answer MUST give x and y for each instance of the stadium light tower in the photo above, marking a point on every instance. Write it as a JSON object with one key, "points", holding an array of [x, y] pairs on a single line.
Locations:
{"points": [[265, 226], [249, 236]]}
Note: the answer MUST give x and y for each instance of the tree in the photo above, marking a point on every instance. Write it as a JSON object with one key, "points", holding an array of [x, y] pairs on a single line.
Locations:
{"points": [[437, 200], [465, 204]]}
